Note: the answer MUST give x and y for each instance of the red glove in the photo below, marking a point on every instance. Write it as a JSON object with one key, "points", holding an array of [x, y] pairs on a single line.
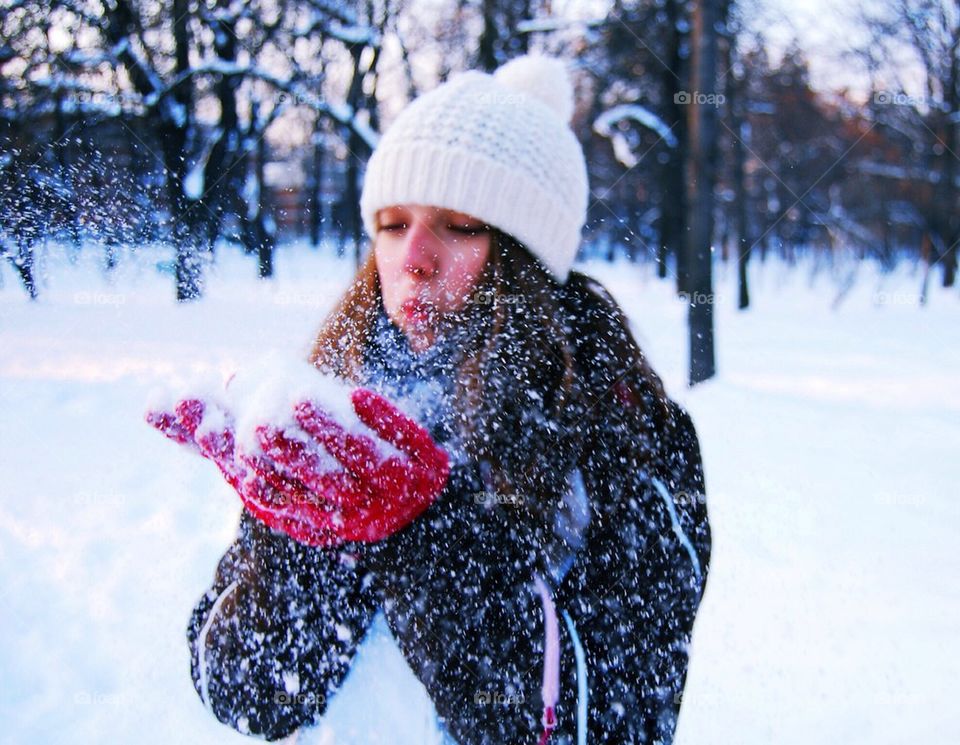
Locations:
{"points": [[293, 486]]}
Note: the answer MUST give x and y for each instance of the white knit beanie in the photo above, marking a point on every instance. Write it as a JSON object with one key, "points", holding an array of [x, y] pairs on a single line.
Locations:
{"points": [[498, 147]]}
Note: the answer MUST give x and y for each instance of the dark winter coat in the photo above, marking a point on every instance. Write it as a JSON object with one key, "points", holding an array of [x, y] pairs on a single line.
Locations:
{"points": [[274, 637]]}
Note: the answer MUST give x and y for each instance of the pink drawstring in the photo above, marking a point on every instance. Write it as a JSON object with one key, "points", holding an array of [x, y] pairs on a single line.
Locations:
{"points": [[551, 660], [549, 722]]}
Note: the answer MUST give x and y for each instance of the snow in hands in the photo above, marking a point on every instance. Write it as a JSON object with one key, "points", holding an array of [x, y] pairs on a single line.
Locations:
{"points": [[307, 454]]}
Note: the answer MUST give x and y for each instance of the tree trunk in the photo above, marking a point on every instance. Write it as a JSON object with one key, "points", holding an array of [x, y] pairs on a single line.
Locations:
{"points": [[266, 231], [700, 177], [741, 220], [315, 186], [486, 52], [951, 127], [221, 173], [354, 146], [23, 263], [174, 111], [673, 201], [174, 136]]}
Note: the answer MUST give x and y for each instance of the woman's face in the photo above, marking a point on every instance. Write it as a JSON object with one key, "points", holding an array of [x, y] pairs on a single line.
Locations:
{"points": [[429, 260]]}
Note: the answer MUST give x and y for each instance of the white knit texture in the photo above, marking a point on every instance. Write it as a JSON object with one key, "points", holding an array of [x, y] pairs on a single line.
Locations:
{"points": [[498, 149], [542, 77]]}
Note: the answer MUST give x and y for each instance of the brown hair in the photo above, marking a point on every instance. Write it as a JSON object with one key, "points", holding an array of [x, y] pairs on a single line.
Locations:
{"points": [[544, 365]]}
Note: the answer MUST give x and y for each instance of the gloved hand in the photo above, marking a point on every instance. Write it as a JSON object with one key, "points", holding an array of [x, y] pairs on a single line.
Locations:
{"points": [[292, 483]]}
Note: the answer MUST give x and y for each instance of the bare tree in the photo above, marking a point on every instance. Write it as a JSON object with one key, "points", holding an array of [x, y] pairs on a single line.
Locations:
{"points": [[930, 30], [702, 119]]}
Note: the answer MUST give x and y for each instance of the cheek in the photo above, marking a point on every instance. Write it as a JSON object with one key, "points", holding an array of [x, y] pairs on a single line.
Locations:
{"points": [[475, 262], [464, 273], [388, 269]]}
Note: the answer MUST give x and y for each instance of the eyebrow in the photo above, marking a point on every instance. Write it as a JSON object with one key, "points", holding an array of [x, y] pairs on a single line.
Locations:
{"points": [[404, 213], [465, 217], [391, 213]]}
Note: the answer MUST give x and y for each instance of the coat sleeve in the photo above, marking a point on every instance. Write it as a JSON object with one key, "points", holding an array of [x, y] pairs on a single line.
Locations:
{"points": [[633, 591], [682, 475], [273, 638]]}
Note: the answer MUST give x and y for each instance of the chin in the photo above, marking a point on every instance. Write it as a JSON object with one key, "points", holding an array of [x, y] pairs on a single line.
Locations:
{"points": [[419, 342], [418, 336]]}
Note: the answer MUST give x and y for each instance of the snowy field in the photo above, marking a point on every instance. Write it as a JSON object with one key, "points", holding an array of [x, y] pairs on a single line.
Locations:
{"points": [[830, 441]]}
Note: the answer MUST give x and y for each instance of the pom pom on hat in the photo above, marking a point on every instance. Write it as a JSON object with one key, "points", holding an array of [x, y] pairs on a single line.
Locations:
{"points": [[544, 78], [510, 160]]}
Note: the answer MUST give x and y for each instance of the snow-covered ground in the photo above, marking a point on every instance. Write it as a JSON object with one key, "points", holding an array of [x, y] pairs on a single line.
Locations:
{"points": [[830, 440]]}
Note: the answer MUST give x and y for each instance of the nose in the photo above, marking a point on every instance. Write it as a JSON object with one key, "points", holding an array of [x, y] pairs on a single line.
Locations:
{"points": [[421, 250]]}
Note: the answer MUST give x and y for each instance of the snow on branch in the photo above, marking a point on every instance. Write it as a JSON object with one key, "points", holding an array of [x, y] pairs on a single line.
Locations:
{"points": [[545, 25], [337, 10], [605, 127], [897, 172], [340, 27], [341, 113]]}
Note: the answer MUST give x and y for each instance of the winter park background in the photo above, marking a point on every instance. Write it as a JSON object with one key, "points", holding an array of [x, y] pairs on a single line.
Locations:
{"points": [[829, 429]]}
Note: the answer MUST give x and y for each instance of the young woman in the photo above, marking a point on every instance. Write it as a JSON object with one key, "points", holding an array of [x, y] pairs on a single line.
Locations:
{"points": [[539, 547]]}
